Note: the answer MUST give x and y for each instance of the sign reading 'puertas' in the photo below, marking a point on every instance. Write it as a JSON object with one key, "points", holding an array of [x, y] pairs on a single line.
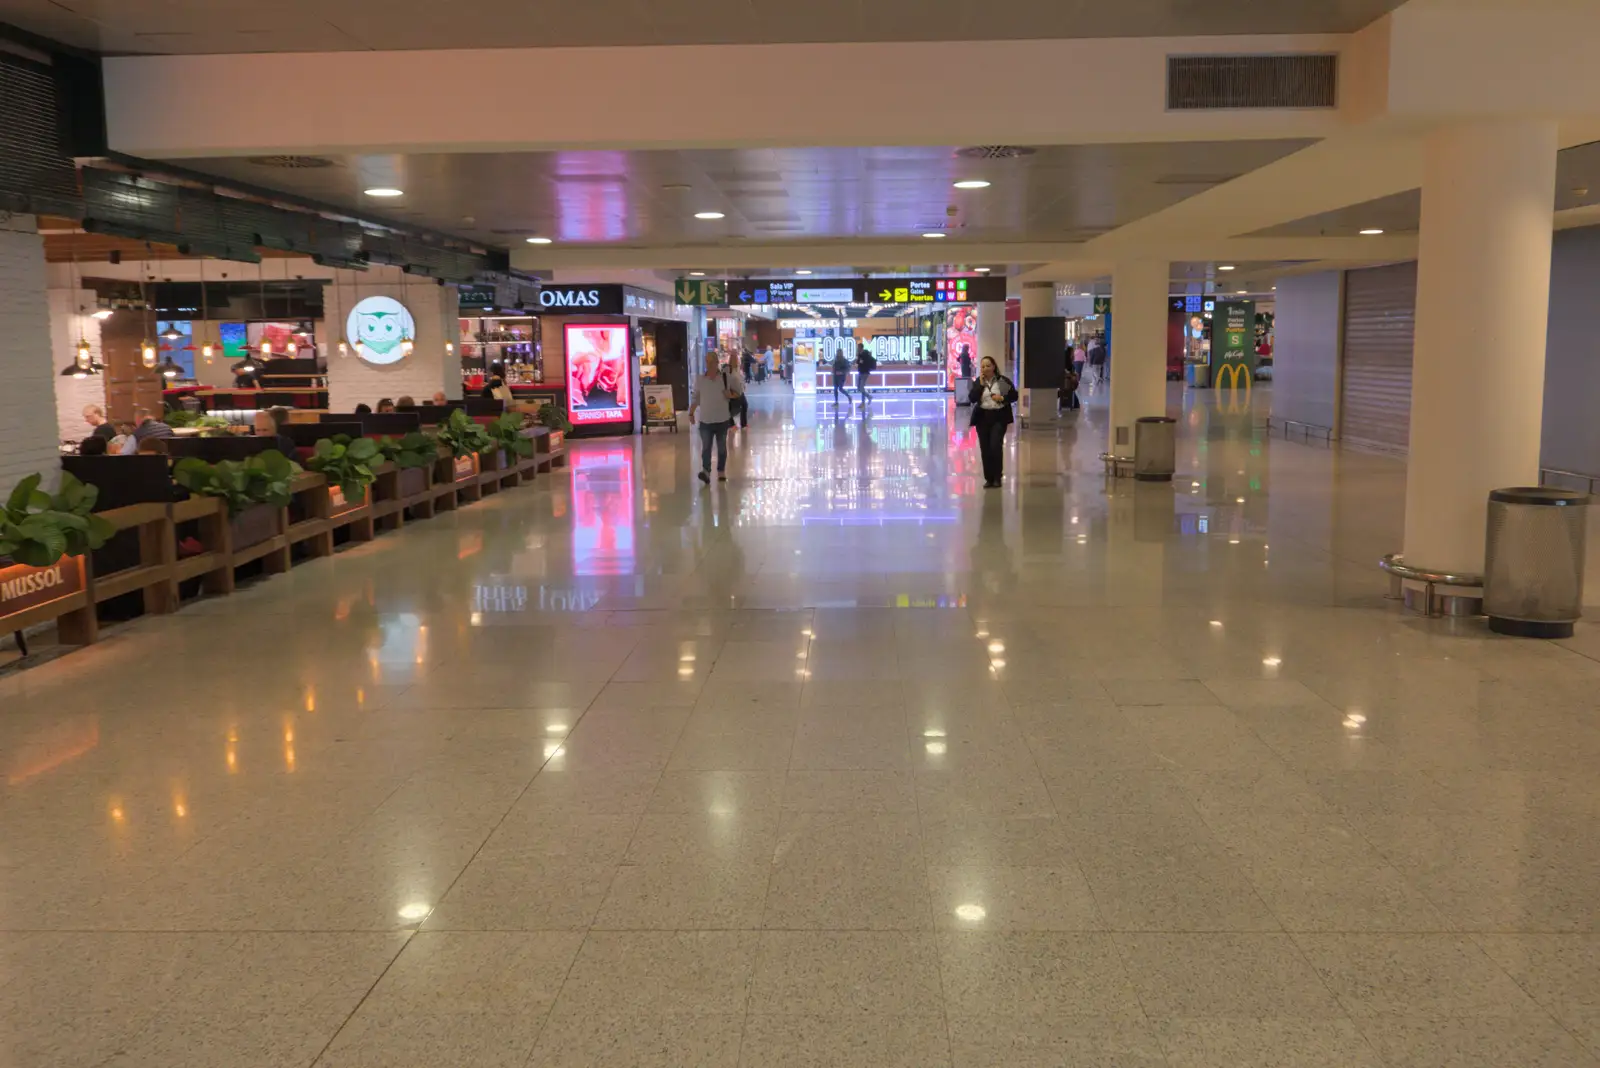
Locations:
{"points": [[378, 328]]}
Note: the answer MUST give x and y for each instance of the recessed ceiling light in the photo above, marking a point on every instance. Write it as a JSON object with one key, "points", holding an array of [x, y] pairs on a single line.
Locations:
{"points": [[1372, 232], [697, 274], [1227, 267], [983, 270], [972, 183], [539, 240], [385, 191], [1242, 292], [933, 234], [802, 272], [709, 215]]}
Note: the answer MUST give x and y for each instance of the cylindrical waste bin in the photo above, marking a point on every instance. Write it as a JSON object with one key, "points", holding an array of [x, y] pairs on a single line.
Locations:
{"points": [[1155, 448], [1533, 561]]}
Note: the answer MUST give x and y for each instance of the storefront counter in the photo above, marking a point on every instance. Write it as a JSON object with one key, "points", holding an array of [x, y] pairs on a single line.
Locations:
{"points": [[919, 378]]}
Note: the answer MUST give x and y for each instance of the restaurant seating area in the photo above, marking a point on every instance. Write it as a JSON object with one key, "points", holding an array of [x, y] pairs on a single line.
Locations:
{"points": [[172, 546]]}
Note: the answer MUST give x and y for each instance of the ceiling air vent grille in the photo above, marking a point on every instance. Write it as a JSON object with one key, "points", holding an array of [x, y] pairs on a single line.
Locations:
{"points": [[995, 152], [1208, 83], [292, 163]]}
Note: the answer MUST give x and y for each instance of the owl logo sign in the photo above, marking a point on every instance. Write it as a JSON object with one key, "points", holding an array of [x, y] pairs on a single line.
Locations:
{"points": [[378, 328]]}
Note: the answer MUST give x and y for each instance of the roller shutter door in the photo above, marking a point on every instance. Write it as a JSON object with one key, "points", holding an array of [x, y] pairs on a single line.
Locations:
{"points": [[1380, 312]]}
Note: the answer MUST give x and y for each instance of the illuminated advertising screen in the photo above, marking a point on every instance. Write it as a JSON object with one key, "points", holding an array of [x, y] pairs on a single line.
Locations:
{"points": [[961, 340], [599, 379], [235, 338]]}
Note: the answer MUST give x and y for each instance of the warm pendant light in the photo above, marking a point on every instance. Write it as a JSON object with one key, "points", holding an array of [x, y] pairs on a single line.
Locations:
{"points": [[207, 351], [344, 350], [170, 369], [147, 350], [266, 345], [147, 354], [292, 350], [406, 346], [172, 333]]}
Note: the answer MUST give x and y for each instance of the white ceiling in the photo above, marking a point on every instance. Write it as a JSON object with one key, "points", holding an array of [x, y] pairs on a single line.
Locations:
{"points": [[1061, 193], [229, 26]]}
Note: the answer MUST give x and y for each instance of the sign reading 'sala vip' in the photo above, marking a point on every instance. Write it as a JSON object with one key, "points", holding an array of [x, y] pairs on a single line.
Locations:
{"points": [[380, 330]]}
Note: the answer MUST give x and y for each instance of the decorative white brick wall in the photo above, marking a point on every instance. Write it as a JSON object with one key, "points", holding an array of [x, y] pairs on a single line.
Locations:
{"points": [[435, 308], [69, 319], [28, 367]]}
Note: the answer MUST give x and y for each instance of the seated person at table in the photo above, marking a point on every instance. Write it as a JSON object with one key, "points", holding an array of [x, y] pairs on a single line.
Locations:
{"points": [[145, 426], [439, 399], [153, 447], [363, 409], [270, 424], [93, 445], [385, 405], [95, 416], [405, 404]]}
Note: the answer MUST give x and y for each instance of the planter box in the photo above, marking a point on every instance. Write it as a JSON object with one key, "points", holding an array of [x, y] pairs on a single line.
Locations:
{"points": [[464, 468], [24, 589], [338, 505], [253, 526], [493, 461], [412, 481]]}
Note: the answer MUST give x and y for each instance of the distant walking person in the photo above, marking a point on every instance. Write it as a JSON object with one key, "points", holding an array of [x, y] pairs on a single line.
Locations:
{"points": [[1097, 359], [866, 363], [841, 376], [991, 398], [710, 408]]}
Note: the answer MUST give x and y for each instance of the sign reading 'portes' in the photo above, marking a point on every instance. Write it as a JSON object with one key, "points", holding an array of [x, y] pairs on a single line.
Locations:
{"points": [[378, 328]]}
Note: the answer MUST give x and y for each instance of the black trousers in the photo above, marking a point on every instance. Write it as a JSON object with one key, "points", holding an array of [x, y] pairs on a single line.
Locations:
{"points": [[840, 385], [992, 446]]}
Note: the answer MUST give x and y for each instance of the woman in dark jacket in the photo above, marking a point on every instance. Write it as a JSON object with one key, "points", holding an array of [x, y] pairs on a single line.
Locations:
{"points": [[991, 398]]}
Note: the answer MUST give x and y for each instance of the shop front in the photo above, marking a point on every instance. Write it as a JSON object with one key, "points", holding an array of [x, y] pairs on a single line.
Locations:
{"points": [[602, 345]]}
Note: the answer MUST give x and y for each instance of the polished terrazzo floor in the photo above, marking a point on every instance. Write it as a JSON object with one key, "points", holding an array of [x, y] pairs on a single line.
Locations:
{"points": [[846, 763]]}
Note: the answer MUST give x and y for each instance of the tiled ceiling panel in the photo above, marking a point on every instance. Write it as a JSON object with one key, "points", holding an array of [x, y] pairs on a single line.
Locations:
{"points": [[649, 198], [227, 26]]}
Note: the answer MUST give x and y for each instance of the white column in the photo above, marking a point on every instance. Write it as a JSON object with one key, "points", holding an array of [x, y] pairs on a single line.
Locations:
{"points": [[1138, 347], [28, 365], [991, 336], [1483, 299]]}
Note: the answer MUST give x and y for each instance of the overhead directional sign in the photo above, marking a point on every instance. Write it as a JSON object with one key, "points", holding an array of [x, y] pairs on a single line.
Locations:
{"points": [[952, 290], [700, 291]]}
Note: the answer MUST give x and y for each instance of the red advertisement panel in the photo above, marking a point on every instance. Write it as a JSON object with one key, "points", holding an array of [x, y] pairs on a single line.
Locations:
{"points": [[599, 378]]}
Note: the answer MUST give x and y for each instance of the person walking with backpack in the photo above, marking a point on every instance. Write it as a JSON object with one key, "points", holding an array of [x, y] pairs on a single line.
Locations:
{"points": [[866, 363], [711, 411]]}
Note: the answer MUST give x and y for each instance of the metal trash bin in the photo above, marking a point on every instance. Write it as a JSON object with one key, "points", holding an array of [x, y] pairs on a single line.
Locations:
{"points": [[1155, 448], [1533, 561]]}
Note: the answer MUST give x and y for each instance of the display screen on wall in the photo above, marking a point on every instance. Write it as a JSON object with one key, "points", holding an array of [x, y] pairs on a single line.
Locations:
{"points": [[180, 350], [599, 378], [235, 338], [961, 339]]}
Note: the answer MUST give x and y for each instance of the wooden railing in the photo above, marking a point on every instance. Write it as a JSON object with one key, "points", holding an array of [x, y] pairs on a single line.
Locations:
{"points": [[69, 591]]}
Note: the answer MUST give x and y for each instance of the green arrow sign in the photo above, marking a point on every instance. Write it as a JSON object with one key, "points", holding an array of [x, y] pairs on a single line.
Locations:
{"points": [[693, 291]]}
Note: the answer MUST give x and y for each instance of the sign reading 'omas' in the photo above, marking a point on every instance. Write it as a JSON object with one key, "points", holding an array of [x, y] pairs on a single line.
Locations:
{"points": [[577, 300], [378, 328]]}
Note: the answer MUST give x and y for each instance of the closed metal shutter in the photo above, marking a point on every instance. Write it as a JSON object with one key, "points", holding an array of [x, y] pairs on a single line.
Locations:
{"points": [[1380, 316]]}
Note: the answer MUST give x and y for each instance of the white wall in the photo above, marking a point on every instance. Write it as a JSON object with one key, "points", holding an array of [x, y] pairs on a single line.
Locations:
{"points": [[67, 325], [1572, 355], [435, 308], [1305, 357], [28, 366]]}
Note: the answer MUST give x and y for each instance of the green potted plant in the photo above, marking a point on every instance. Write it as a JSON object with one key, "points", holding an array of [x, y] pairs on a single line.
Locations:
{"points": [[414, 454], [38, 528], [466, 441], [256, 489], [508, 437], [208, 425], [346, 463], [552, 416]]}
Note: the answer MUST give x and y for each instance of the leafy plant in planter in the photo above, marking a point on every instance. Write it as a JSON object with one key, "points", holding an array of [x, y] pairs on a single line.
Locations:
{"points": [[182, 417], [552, 416], [346, 463], [415, 449], [38, 529], [260, 479], [507, 433], [463, 437]]}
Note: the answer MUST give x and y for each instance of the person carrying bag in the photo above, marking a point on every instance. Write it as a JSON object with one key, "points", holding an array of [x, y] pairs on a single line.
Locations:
{"points": [[991, 397]]}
